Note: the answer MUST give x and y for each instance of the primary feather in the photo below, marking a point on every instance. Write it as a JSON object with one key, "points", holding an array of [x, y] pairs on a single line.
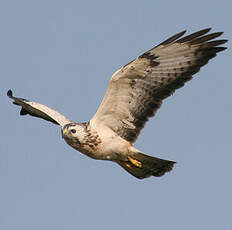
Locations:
{"points": [[137, 90]]}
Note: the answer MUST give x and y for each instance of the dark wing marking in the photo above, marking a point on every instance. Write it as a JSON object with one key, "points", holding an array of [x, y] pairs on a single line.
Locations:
{"points": [[137, 90], [38, 110]]}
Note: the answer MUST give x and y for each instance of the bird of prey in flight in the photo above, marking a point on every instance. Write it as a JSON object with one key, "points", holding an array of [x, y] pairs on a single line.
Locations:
{"points": [[134, 94]]}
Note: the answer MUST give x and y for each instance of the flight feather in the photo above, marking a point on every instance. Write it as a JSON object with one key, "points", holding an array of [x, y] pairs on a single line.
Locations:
{"points": [[136, 91]]}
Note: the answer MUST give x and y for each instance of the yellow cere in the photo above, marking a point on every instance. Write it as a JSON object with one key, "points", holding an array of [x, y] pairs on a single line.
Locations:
{"points": [[65, 131]]}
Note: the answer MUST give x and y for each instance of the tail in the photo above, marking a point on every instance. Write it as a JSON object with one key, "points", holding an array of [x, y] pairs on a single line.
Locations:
{"points": [[143, 166]]}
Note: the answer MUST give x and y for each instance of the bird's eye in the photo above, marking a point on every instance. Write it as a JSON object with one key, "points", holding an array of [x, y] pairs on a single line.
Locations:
{"points": [[73, 130]]}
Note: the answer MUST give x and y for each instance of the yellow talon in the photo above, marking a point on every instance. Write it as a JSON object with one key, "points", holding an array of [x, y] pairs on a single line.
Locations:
{"points": [[135, 162]]}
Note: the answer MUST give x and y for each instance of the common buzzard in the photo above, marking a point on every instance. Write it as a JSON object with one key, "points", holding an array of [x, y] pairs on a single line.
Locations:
{"points": [[134, 94]]}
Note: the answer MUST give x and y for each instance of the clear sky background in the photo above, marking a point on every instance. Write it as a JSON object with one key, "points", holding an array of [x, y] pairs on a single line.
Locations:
{"points": [[62, 54]]}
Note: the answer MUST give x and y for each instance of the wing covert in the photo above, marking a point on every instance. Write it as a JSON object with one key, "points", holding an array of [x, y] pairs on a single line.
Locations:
{"points": [[136, 91]]}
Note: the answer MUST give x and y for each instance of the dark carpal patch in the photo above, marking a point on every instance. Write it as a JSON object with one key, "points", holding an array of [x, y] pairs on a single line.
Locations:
{"points": [[150, 57]]}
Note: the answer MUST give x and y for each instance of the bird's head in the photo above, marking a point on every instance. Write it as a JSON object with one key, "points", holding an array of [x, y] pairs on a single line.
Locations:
{"points": [[74, 133]]}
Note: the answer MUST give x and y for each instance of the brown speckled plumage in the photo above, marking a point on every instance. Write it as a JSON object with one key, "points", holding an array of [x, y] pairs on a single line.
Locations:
{"points": [[92, 138]]}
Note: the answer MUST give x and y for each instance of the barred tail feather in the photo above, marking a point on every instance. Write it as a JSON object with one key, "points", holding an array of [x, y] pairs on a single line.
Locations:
{"points": [[143, 166]]}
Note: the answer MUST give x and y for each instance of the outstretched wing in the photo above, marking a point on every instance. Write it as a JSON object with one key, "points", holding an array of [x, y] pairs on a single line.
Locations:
{"points": [[136, 90], [38, 110]]}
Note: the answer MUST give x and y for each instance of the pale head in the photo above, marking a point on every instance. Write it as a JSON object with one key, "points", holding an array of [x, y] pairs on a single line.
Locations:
{"points": [[74, 133]]}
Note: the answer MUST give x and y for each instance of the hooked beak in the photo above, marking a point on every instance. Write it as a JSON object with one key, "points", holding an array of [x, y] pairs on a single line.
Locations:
{"points": [[64, 132]]}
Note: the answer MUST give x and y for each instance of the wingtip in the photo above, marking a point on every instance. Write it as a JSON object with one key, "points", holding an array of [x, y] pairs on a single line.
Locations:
{"points": [[10, 93], [183, 32], [207, 29], [172, 38]]}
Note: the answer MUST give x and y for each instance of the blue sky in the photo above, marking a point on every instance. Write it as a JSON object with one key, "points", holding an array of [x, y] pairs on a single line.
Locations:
{"points": [[62, 54]]}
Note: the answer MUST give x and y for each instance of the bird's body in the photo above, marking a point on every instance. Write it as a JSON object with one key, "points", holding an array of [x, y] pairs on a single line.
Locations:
{"points": [[100, 144], [134, 94]]}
